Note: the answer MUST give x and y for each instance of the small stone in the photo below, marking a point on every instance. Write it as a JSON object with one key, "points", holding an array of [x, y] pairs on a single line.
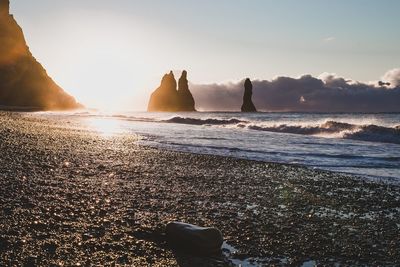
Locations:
{"points": [[196, 239], [31, 261], [102, 213], [86, 236], [8, 211], [101, 167], [124, 259], [50, 248], [98, 231], [4, 243]]}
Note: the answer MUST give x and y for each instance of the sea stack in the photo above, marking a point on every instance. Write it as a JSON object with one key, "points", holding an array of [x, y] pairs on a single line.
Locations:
{"points": [[248, 105], [24, 83], [166, 98], [185, 97]]}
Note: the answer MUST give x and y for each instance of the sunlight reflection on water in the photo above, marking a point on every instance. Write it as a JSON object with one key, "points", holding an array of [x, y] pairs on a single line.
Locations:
{"points": [[368, 148], [105, 127]]}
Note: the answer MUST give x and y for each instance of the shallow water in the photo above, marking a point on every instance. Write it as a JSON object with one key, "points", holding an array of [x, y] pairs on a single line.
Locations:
{"points": [[361, 144]]}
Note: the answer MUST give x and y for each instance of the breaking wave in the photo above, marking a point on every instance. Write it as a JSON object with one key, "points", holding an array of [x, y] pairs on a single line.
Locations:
{"points": [[195, 121], [370, 132]]}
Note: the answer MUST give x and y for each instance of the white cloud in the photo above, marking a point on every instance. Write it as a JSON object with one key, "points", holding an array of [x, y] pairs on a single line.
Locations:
{"points": [[392, 77], [326, 76], [329, 39]]}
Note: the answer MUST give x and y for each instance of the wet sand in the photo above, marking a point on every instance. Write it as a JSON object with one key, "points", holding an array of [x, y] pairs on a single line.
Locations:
{"points": [[72, 197]]}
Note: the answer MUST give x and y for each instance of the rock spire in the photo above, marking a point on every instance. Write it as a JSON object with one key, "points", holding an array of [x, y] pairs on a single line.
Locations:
{"points": [[166, 98], [248, 105]]}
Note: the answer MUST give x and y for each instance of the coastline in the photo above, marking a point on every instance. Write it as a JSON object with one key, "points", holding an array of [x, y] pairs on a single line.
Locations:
{"points": [[72, 196]]}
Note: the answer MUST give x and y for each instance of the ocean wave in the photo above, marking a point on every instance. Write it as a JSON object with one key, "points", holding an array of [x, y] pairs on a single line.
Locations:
{"points": [[329, 127], [374, 133], [335, 129], [371, 133], [195, 121]]}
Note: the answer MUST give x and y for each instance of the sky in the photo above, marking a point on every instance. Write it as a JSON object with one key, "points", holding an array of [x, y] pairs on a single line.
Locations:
{"points": [[112, 54]]}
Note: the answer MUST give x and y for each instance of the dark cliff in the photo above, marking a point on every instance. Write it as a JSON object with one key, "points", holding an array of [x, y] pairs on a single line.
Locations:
{"points": [[24, 83], [166, 98], [248, 105]]}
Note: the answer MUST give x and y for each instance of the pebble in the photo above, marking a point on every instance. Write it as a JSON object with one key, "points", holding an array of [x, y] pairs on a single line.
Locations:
{"points": [[197, 239]]}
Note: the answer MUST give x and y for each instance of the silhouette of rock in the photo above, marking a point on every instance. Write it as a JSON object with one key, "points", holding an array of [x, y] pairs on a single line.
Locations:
{"points": [[193, 238], [167, 99], [4, 7], [186, 99], [248, 105], [24, 83]]}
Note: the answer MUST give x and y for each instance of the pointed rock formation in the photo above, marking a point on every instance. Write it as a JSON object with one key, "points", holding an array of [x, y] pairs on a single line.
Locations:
{"points": [[167, 99], [248, 105], [24, 83], [186, 99]]}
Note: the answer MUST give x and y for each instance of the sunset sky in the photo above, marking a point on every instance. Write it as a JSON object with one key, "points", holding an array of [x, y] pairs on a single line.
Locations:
{"points": [[119, 49]]}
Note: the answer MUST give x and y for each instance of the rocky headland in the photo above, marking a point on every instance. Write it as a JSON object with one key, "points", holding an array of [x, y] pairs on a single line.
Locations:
{"points": [[24, 83]]}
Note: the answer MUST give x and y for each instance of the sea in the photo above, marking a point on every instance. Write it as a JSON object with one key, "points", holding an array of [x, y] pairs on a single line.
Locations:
{"points": [[366, 145]]}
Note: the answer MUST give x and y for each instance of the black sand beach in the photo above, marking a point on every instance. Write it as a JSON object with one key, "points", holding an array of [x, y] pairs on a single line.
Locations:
{"points": [[71, 197]]}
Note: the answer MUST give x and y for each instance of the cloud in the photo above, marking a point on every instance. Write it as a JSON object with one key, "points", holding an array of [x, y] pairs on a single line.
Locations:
{"points": [[329, 39], [392, 77], [325, 93]]}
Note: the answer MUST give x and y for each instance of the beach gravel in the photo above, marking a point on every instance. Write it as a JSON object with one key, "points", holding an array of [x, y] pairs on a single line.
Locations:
{"points": [[70, 196]]}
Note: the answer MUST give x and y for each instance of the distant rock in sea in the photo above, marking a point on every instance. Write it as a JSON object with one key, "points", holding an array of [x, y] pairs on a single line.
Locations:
{"points": [[24, 83], [248, 105], [166, 98], [185, 97]]}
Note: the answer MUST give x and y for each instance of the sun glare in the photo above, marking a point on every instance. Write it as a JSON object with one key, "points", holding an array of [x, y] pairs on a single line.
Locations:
{"points": [[105, 127]]}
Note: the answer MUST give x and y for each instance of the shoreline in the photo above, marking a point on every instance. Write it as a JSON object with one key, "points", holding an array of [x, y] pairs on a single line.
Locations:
{"points": [[366, 139], [366, 178], [72, 196]]}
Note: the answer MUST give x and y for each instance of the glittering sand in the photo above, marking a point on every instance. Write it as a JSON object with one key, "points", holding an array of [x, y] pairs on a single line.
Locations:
{"points": [[70, 196]]}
